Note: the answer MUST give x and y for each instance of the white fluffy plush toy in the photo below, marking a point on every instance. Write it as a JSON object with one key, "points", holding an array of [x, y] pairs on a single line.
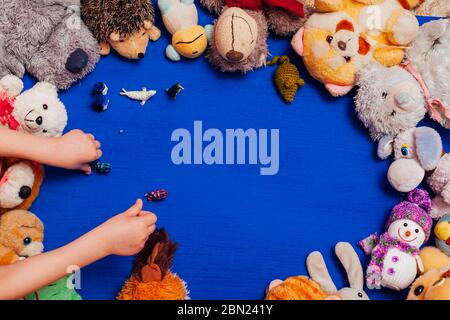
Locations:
{"points": [[392, 100], [37, 111]]}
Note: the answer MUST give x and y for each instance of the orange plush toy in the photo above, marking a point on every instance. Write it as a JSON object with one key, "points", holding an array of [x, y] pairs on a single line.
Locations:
{"points": [[295, 288], [151, 278]]}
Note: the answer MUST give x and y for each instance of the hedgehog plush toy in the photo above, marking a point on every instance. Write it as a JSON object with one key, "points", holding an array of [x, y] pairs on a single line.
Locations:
{"points": [[126, 26]]}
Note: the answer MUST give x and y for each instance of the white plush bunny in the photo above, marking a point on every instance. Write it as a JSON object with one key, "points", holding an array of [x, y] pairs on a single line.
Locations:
{"points": [[318, 271]]}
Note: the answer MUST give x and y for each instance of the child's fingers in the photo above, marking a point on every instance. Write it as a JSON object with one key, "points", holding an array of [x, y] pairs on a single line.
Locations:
{"points": [[90, 136], [99, 153], [135, 209], [87, 169], [151, 229], [97, 144], [148, 218]]}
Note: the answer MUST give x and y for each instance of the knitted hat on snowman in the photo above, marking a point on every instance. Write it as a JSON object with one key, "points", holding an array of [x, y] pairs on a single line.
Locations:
{"points": [[416, 208]]}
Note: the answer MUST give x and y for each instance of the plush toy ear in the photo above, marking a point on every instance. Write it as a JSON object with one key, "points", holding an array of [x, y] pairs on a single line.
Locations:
{"points": [[297, 42], [47, 88], [350, 260], [318, 271], [114, 36], [429, 147], [385, 147], [337, 90]]}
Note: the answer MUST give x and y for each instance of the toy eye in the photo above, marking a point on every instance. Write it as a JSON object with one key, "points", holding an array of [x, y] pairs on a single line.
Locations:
{"points": [[384, 95], [329, 39], [405, 151], [416, 231], [44, 131], [405, 224], [45, 107], [348, 59], [27, 241], [360, 294], [418, 291]]}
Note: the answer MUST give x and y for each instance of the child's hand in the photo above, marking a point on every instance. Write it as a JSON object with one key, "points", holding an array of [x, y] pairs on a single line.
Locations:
{"points": [[126, 233], [75, 150]]}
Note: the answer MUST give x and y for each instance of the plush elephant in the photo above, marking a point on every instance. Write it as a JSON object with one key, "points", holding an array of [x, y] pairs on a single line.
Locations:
{"points": [[418, 153]]}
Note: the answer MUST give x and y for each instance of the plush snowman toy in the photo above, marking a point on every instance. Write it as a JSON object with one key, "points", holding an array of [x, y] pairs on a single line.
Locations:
{"points": [[395, 254]]}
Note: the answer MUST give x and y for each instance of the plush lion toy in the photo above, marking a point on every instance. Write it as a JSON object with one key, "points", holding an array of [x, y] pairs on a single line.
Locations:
{"points": [[345, 35], [151, 278]]}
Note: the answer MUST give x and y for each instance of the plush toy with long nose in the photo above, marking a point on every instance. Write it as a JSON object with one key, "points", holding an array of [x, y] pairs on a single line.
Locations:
{"points": [[418, 153], [239, 40], [392, 100], [395, 258]]}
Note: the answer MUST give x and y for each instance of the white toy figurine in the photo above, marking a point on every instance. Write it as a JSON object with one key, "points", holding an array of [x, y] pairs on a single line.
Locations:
{"points": [[395, 254]]}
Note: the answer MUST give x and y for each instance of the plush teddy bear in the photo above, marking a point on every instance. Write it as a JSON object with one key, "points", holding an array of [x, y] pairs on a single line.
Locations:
{"points": [[239, 40], [392, 100], [395, 256], [21, 236], [48, 39], [125, 26], [188, 38], [345, 35], [418, 153], [434, 284], [151, 278], [321, 286], [37, 111], [442, 233]]}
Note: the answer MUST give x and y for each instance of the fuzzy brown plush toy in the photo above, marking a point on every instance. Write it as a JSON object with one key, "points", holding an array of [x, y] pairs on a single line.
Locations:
{"points": [[21, 236], [124, 25], [239, 42], [151, 278]]}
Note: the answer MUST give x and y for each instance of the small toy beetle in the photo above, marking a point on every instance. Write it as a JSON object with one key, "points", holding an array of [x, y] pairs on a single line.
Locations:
{"points": [[101, 167], [156, 195]]}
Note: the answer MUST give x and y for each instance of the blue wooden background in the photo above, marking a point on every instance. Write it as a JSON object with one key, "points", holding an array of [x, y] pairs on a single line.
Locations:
{"points": [[237, 230]]}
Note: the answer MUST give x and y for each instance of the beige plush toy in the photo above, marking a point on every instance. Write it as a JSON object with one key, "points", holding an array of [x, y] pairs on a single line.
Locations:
{"points": [[345, 35], [434, 284], [21, 236]]}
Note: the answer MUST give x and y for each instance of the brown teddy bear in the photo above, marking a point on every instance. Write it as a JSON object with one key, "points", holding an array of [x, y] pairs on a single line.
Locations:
{"points": [[125, 26], [239, 40], [21, 236]]}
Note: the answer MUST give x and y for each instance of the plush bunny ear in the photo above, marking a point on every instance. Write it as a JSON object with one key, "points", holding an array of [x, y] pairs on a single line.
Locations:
{"points": [[318, 271], [385, 147], [429, 147], [350, 260]]}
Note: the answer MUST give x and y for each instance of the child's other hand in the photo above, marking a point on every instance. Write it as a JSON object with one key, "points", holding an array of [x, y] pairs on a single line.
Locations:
{"points": [[126, 233], [75, 150]]}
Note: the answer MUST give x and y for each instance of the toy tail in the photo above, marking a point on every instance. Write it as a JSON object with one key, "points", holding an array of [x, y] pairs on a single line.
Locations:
{"points": [[156, 259], [278, 59], [123, 92]]}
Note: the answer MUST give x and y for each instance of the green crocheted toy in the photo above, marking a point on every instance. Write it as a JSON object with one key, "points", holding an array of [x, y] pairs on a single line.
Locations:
{"points": [[55, 291], [287, 78]]}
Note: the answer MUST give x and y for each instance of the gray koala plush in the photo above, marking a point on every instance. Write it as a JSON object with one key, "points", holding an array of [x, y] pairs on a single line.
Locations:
{"points": [[48, 39], [392, 100]]}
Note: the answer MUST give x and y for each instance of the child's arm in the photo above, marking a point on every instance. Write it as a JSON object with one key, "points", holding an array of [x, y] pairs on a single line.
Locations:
{"points": [[124, 234], [73, 150]]}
